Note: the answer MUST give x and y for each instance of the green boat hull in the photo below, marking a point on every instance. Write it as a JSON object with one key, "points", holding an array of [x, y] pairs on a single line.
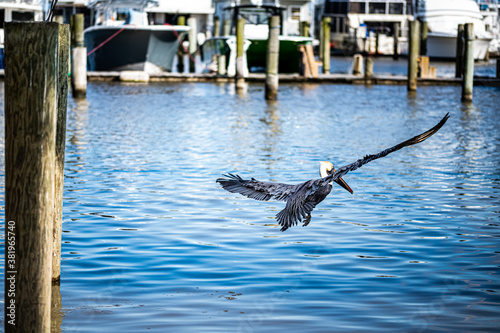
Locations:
{"points": [[289, 54]]}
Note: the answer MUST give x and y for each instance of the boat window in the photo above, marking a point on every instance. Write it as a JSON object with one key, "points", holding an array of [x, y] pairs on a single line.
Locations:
{"points": [[2, 16], [357, 7], [23, 16], [334, 25], [376, 8], [295, 13], [336, 7], [396, 8]]}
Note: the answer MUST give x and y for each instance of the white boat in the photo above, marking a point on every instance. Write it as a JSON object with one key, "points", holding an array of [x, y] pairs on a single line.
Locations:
{"points": [[443, 18], [490, 11], [355, 25], [18, 11], [122, 38]]}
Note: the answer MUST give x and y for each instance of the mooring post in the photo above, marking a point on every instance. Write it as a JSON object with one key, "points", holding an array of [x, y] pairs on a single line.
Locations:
{"points": [[368, 69], [377, 42], [31, 105], [395, 54], [240, 50], [304, 28], [468, 79], [181, 20], [272, 59], [226, 28], [423, 38], [79, 56], [193, 43], [326, 44], [62, 103], [459, 59], [357, 66], [216, 26], [413, 56]]}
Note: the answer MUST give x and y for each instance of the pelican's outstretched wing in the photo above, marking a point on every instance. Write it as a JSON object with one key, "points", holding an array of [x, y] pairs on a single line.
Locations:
{"points": [[368, 158], [255, 189]]}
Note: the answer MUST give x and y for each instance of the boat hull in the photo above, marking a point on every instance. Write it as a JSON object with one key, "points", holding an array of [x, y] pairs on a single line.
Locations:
{"points": [[117, 48], [445, 46], [289, 54]]}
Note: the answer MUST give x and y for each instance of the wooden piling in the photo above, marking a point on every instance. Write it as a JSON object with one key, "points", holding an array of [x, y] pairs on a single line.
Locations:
{"points": [[395, 54], [357, 67], [423, 38], [459, 59], [216, 26], [377, 43], [31, 78], [181, 20], [368, 69], [326, 44], [272, 59], [468, 79], [226, 28], [193, 43], [304, 28], [77, 27], [62, 102], [240, 50], [79, 58], [413, 56]]}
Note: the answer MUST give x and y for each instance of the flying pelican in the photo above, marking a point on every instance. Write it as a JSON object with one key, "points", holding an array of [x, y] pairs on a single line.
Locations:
{"points": [[302, 198]]}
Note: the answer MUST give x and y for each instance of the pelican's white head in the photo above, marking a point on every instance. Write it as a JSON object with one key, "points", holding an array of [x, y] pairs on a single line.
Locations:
{"points": [[325, 168]]}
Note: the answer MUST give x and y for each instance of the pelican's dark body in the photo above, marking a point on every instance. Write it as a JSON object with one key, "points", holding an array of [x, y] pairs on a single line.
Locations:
{"points": [[302, 198]]}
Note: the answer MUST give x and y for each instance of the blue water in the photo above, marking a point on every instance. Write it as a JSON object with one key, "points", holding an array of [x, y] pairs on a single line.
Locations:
{"points": [[152, 244]]}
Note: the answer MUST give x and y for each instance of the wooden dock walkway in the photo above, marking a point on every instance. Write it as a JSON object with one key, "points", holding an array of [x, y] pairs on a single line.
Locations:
{"points": [[296, 78]]}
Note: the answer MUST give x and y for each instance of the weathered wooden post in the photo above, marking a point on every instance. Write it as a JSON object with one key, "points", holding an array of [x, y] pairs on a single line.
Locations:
{"points": [[62, 103], [272, 59], [459, 60], [226, 28], [423, 38], [79, 65], [181, 20], [357, 67], [304, 28], [413, 56], [240, 50], [326, 44], [216, 26], [193, 43], [377, 42], [468, 79], [395, 54], [368, 69], [31, 105]]}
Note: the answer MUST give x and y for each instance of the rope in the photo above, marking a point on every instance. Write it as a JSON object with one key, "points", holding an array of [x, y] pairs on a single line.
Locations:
{"points": [[186, 51], [107, 40]]}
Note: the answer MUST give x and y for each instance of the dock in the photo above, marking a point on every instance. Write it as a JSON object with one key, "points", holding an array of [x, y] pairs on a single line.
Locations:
{"points": [[295, 78]]}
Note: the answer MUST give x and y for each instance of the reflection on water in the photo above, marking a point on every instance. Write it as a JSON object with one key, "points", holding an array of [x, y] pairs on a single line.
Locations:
{"points": [[151, 242]]}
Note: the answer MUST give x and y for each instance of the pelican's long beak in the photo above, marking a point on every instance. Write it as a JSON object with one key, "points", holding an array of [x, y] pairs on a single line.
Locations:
{"points": [[342, 183]]}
